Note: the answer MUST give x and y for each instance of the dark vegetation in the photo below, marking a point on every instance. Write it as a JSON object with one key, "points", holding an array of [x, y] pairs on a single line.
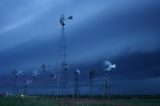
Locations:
{"points": [[82, 101]]}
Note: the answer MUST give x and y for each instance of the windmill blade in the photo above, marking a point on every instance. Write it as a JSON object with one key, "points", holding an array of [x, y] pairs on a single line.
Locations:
{"points": [[34, 74], [113, 66], [20, 72], [14, 72], [107, 63], [78, 71], [53, 76], [62, 20], [70, 17], [28, 82], [109, 66], [17, 73]]}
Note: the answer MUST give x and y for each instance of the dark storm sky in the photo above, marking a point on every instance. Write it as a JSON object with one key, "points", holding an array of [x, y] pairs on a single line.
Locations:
{"points": [[127, 32]]}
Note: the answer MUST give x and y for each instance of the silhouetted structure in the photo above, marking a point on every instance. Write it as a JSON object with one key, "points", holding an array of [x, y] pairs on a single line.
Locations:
{"points": [[108, 67], [91, 77], [62, 72], [76, 89]]}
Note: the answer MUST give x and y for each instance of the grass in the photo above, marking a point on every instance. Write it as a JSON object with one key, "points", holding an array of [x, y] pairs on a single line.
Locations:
{"points": [[46, 101]]}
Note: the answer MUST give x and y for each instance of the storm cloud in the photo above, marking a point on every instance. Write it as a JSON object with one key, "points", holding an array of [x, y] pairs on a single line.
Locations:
{"points": [[124, 31]]}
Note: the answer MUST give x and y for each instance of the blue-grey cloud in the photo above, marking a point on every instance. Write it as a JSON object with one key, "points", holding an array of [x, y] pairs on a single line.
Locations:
{"points": [[124, 31]]}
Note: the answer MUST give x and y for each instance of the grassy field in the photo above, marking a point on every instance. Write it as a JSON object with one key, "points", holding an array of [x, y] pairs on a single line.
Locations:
{"points": [[46, 101]]}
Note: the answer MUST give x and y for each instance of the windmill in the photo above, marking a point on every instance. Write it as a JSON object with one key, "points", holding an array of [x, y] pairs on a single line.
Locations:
{"points": [[44, 66], [52, 76], [35, 74], [76, 89], [92, 74], [45, 71], [108, 67], [62, 59], [26, 84], [16, 74]]}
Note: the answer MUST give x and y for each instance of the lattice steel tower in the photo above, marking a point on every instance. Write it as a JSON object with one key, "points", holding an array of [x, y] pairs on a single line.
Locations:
{"points": [[108, 67], [76, 88], [62, 75]]}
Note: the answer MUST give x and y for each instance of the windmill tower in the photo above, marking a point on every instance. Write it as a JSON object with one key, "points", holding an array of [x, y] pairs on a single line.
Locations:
{"points": [[26, 84], [76, 89], [44, 67], [108, 67], [44, 75], [16, 74], [52, 76], [92, 74], [62, 80]]}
